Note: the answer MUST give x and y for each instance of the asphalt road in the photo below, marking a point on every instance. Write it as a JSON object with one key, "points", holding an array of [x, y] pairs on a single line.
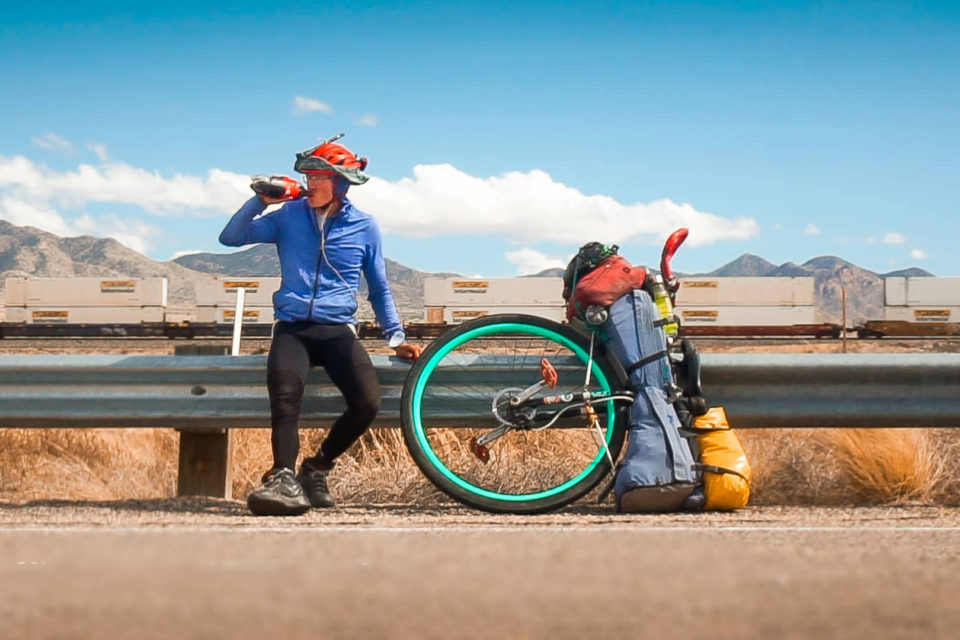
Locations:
{"points": [[204, 569]]}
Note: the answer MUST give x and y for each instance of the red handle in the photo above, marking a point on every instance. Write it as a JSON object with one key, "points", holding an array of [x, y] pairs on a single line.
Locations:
{"points": [[669, 248]]}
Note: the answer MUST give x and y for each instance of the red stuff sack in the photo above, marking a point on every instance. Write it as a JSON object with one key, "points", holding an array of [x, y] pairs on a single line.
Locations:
{"points": [[613, 278]]}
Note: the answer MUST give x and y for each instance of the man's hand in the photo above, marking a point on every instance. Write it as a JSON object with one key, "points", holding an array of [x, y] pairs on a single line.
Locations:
{"points": [[269, 201], [409, 351]]}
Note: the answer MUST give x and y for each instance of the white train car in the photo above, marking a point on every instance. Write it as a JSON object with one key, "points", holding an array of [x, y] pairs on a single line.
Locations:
{"points": [[748, 306], [221, 291], [226, 315], [459, 315], [85, 292], [924, 299], [925, 314], [745, 316], [454, 300], [84, 315], [746, 291], [217, 299], [105, 301], [510, 292]]}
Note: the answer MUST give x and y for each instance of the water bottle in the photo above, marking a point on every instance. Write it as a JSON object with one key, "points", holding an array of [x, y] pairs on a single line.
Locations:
{"points": [[662, 300], [276, 187]]}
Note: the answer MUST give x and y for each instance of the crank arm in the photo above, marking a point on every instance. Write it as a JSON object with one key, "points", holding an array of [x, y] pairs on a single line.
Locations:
{"points": [[490, 436], [527, 393]]}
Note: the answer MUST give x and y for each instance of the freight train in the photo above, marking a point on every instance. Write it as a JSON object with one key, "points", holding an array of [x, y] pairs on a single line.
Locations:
{"points": [[736, 307], [917, 306]]}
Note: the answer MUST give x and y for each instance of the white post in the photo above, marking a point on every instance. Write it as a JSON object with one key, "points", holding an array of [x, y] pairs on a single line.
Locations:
{"points": [[237, 323]]}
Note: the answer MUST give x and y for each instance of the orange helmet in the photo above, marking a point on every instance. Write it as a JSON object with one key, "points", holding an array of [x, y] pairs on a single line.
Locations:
{"points": [[333, 159]]}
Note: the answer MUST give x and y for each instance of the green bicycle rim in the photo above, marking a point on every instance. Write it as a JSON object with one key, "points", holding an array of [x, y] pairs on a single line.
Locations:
{"points": [[498, 328]]}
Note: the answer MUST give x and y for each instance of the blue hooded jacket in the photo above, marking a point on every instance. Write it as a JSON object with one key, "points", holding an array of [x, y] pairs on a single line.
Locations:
{"points": [[313, 288]]}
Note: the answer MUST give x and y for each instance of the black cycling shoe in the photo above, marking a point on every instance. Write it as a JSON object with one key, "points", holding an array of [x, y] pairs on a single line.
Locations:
{"points": [[314, 483], [280, 495]]}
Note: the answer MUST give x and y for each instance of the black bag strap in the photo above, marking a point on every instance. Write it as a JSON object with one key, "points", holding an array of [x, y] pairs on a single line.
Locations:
{"points": [[653, 357], [712, 468]]}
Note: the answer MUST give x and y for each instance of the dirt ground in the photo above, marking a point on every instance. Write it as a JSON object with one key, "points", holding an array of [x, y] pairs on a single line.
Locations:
{"points": [[205, 569]]}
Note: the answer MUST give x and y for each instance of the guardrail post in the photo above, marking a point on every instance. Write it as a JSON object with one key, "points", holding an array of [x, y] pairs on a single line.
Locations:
{"points": [[206, 456], [206, 459]]}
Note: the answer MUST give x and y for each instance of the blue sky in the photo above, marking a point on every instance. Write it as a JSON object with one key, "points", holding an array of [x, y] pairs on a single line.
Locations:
{"points": [[501, 135]]}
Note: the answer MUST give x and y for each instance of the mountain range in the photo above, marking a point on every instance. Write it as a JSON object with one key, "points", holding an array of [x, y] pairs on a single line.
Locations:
{"points": [[831, 276], [27, 251]]}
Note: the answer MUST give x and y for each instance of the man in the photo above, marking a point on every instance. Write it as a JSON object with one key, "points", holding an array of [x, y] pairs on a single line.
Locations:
{"points": [[324, 244]]}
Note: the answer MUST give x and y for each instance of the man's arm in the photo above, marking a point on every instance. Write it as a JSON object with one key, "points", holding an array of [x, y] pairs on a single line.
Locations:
{"points": [[379, 295], [243, 229]]}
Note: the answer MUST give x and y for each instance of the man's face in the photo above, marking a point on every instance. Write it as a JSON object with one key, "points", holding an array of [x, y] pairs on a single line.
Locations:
{"points": [[320, 186]]}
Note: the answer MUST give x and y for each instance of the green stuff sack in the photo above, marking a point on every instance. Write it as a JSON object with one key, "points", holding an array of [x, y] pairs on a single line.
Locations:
{"points": [[726, 471]]}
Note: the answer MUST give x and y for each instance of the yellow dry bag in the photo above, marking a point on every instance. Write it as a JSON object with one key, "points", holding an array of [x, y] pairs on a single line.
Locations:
{"points": [[726, 471]]}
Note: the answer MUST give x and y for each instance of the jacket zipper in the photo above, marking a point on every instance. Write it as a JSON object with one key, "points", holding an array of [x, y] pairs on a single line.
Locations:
{"points": [[316, 278]]}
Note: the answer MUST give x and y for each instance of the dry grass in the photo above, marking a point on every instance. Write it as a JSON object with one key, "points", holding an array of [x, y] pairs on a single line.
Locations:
{"points": [[87, 464], [853, 466], [791, 467], [889, 465]]}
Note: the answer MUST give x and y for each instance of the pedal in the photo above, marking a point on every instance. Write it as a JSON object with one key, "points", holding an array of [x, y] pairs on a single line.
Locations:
{"points": [[548, 373], [479, 450]]}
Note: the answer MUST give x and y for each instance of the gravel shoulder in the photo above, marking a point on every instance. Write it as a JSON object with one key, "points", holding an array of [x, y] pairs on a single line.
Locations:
{"points": [[232, 514], [197, 569]]}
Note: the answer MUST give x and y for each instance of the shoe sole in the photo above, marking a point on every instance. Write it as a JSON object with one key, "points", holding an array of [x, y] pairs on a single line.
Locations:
{"points": [[264, 507]]}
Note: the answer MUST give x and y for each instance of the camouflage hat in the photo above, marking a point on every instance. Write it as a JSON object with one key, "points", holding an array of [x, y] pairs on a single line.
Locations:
{"points": [[333, 159]]}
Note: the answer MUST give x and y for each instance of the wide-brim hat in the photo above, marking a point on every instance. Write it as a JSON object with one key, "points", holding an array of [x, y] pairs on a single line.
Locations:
{"points": [[330, 157]]}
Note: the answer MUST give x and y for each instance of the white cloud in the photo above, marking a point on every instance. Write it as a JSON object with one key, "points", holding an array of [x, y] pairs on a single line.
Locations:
{"points": [[19, 172], [216, 193], [919, 254], [523, 208], [39, 215], [811, 229], [53, 142], [368, 120], [530, 207], [303, 105], [131, 232], [99, 149], [530, 261], [871, 240], [891, 237]]}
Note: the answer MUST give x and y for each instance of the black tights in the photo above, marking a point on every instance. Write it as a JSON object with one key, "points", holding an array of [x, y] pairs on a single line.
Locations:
{"points": [[297, 346]]}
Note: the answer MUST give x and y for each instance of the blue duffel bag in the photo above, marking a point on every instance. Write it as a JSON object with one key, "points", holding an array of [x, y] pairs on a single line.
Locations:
{"points": [[657, 473]]}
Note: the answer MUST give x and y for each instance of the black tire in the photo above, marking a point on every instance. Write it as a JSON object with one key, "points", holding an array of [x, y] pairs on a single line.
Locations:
{"points": [[478, 353]]}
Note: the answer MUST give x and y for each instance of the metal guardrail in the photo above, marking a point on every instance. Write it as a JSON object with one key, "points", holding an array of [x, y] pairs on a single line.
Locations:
{"points": [[213, 392], [835, 390]]}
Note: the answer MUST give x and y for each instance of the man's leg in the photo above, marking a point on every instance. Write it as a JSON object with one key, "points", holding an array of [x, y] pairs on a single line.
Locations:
{"points": [[287, 367], [281, 493], [350, 369]]}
